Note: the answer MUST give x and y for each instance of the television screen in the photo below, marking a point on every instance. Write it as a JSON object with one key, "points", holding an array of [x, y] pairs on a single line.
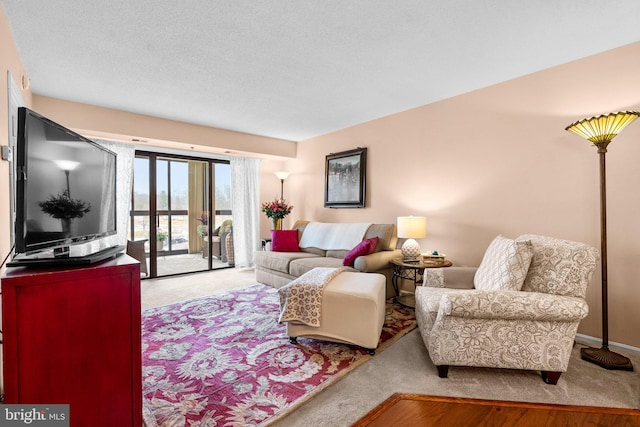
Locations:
{"points": [[65, 190]]}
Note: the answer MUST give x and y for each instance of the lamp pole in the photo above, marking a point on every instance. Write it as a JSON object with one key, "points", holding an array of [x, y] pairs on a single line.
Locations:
{"points": [[600, 131], [66, 172], [282, 189], [602, 151], [603, 356]]}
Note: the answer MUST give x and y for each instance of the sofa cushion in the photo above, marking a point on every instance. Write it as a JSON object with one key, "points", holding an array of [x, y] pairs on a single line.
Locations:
{"points": [[279, 261], [504, 265], [333, 236], [300, 225], [366, 247], [341, 253], [284, 241], [299, 266], [315, 251], [386, 234]]}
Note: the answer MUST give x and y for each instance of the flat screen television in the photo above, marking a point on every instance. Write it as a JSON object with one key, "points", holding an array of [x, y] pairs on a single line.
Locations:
{"points": [[65, 190]]}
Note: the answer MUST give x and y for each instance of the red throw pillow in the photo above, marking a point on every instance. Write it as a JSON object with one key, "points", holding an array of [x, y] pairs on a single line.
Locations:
{"points": [[284, 241], [365, 247]]}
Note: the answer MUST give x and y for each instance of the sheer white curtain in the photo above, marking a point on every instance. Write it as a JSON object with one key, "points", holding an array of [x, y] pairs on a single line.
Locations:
{"points": [[245, 204], [124, 182]]}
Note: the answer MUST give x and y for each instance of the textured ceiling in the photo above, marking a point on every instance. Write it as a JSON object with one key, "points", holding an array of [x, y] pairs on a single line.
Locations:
{"points": [[295, 69]]}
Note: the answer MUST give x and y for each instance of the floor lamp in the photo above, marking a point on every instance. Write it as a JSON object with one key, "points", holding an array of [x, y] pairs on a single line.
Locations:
{"points": [[67, 166], [601, 130], [282, 175]]}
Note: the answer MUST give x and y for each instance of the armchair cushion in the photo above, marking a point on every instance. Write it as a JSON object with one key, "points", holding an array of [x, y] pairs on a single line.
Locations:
{"points": [[429, 304], [452, 277], [225, 227], [504, 265], [513, 305], [560, 267]]}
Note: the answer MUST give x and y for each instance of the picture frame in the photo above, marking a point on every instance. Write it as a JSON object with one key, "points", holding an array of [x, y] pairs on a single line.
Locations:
{"points": [[345, 179]]}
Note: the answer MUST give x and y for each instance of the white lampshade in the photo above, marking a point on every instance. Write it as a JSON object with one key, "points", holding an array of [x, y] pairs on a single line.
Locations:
{"points": [[67, 165], [410, 228], [282, 175]]}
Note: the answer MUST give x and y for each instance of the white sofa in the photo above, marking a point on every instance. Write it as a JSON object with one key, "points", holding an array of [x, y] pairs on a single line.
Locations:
{"points": [[279, 268]]}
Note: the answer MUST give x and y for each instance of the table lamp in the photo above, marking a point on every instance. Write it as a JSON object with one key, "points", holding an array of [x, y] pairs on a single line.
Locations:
{"points": [[410, 228]]}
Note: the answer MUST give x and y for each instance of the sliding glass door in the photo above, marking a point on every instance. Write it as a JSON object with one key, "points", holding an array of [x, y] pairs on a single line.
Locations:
{"points": [[172, 200]]}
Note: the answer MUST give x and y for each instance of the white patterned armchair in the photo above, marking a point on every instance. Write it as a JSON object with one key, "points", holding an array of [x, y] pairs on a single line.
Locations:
{"points": [[520, 309]]}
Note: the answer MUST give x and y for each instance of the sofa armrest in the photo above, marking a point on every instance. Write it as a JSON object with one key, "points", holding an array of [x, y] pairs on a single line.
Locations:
{"points": [[513, 305], [376, 261], [450, 277]]}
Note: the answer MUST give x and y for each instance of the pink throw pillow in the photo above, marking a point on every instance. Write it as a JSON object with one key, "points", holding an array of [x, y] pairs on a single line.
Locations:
{"points": [[284, 241], [365, 247]]}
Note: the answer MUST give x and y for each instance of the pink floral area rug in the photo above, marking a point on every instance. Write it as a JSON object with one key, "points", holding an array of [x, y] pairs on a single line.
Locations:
{"points": [[224, 360]]}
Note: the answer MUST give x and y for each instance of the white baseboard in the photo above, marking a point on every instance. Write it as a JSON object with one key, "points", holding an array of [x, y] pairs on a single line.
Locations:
{"points": [[597, 342]]}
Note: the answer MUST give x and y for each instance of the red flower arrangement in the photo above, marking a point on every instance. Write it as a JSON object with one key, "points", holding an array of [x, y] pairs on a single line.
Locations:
{"points": [[277, 209]]}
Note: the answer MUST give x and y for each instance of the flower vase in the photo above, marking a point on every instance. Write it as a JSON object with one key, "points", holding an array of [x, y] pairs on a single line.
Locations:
{"points": [[66, 226], [277, 223]]}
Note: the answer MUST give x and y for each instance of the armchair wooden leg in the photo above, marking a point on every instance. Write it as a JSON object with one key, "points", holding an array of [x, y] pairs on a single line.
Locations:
{"points": [[443, 371], [550, 377]]}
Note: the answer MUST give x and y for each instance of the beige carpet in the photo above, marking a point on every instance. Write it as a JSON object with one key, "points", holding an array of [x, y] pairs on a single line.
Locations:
{"points": [[405, 367], [167, 290]]}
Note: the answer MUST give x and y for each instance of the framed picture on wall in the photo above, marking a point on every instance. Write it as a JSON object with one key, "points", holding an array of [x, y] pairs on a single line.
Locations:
{"points": [[345, 179]]}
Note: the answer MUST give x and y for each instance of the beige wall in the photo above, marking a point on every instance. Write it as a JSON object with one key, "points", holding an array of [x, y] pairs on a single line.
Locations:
{"points": [[93, 121], [9, 62], [122, 126], [498, 161]]}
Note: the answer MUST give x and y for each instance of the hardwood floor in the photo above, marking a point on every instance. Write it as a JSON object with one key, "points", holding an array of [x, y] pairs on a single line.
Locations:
{"points": [[421, 410]]}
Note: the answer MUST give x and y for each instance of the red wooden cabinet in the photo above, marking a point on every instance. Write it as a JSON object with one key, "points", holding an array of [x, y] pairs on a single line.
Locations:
{"points": [[72, 335]]}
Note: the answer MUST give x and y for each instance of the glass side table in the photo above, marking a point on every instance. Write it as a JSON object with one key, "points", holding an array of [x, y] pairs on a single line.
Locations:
{"points": [[412, 271]]}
